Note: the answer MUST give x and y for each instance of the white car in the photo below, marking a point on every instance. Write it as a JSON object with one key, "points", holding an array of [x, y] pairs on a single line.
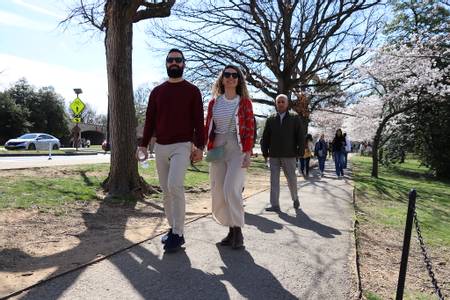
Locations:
{"points": [[33, 141]]}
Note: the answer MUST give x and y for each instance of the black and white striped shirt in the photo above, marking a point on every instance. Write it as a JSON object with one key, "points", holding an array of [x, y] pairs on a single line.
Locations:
{"points": [[224, 114]]}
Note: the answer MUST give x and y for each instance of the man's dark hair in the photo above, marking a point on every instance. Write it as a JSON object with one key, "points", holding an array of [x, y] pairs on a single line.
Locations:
{"points": [[176, 50]]}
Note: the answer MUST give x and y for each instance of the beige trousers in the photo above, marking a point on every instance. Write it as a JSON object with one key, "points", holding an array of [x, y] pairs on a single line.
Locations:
{"points": [[171, 163], [227, 181]]}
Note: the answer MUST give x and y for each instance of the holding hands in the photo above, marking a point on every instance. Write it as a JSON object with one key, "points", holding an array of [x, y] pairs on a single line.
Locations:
{"points": [[196, 154]]}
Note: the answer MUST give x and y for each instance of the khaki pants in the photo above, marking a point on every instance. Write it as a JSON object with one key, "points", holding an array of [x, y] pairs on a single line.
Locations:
{"points": [[227, 181], [288, 165], [171, 163]]}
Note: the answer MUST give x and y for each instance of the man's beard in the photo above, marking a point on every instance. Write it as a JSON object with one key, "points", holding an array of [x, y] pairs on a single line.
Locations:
{"points": [[175, 72]]}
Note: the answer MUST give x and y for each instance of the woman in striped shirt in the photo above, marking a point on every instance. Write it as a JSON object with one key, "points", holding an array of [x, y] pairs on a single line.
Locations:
{"points": [[230, 122]]}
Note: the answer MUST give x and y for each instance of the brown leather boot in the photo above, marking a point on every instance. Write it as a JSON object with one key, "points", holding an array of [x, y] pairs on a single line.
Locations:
{"points": [[237, 241], [227, 240]]}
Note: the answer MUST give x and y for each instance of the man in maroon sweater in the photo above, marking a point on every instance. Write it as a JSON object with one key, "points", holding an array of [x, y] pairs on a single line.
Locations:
{"points": [[175, 117]]}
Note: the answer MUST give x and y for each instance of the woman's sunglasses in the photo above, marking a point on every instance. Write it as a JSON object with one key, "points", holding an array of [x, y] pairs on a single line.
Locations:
{"points": [[176, 59], [228, 75]]}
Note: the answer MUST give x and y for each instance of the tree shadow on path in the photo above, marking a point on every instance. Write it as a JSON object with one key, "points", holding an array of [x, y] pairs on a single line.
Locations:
{"points": [[302, 220], [95, 224]]}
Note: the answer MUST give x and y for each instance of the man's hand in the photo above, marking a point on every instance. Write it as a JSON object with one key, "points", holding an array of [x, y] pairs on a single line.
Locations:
{"points": [[141, 153], [196, 155], [246, 160]]}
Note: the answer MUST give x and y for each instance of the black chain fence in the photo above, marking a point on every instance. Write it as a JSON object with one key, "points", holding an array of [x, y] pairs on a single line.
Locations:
{"points": [[426, 258], [411, 217]]}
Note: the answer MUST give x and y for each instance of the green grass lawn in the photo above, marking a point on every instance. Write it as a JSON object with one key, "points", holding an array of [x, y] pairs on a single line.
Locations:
{"points": [[54, 187], [389, 197]]}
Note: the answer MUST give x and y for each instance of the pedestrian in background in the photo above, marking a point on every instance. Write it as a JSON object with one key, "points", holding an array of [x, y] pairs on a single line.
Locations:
{"points": [[307, 154], [230, 125], [321, 151], [338, 145], [330, 148], [281, 143]]}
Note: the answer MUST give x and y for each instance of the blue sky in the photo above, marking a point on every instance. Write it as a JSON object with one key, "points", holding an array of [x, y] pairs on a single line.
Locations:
{"points": [[33, 46]]}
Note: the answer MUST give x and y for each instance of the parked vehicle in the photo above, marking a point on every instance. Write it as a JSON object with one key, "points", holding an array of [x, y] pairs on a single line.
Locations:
{"points": [[33, 141]]}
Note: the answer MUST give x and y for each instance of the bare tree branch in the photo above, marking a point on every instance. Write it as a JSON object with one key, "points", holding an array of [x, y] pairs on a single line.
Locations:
{"points": [[153, 10], [282, 46]]}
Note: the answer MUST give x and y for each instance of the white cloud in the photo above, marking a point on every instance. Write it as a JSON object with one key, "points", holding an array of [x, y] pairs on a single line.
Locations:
{"points": [[37, 8], [63, 79], [12, 19]]}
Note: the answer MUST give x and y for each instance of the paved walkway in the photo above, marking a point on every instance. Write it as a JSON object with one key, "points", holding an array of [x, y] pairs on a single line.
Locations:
{"points": [[24, 162], [304, 254]]}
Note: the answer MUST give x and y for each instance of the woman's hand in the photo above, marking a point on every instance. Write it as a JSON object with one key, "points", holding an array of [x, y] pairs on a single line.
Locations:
{"points": [[246, 160]]}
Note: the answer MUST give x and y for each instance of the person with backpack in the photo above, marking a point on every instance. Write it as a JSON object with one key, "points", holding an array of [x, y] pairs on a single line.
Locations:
{"points": [[320, 151], [338, 145]]}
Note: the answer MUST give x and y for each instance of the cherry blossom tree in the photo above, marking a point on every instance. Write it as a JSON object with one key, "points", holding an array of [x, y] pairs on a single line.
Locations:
{"points": [[364, 120], [403, 77], [327, 121]]}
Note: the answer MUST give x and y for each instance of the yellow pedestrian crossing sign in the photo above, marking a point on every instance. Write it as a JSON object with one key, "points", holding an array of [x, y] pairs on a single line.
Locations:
{"points": [[77, 106], [76, 120]]}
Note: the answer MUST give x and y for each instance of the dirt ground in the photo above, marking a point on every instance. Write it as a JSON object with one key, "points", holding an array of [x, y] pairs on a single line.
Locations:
{"points": [[380, 256], [35, 245]]}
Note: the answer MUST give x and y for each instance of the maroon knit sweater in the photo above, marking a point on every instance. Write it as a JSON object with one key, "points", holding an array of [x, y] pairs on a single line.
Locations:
{"points": [[174, 115]]}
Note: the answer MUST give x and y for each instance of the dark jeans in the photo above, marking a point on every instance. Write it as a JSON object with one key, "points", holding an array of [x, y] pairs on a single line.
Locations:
{"points": [[339, 162], [322, 163], [304, 165]]}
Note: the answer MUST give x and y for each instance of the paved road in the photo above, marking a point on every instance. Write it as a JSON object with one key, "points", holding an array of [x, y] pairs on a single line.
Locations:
{"points": [[304, 254], [20, 162]]}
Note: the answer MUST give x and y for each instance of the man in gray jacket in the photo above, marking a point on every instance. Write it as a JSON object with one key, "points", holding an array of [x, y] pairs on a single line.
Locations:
{"points": [[282, 142]]}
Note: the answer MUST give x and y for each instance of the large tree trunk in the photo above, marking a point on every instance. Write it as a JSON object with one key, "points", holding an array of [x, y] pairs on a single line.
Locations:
{"points": [[376, 142], [376, 146], [123, 180]]}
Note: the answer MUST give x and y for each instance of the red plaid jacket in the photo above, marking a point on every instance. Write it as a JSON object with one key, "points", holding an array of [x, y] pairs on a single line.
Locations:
{"points": [[245, 125]]}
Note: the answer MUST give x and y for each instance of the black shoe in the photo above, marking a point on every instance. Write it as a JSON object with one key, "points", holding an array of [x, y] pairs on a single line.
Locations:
{"points": [[173, 243], [273, 208], [166, 236], [296, 204], [227, 240], [237, 242]]}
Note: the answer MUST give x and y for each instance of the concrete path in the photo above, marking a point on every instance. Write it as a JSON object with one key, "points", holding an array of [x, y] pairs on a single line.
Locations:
{"points": [[304, 254], [23, 162]]}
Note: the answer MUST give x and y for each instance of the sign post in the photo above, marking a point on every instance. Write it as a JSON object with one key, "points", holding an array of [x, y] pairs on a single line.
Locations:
{"points": [[50, 151], [77, 106]]}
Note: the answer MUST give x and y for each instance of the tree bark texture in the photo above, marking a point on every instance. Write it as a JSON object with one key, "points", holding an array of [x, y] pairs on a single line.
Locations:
{"points": [[123, 178]]}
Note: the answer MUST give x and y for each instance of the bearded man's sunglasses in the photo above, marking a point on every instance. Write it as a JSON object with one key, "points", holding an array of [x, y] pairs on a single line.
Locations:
{"points": [[174, 59]]}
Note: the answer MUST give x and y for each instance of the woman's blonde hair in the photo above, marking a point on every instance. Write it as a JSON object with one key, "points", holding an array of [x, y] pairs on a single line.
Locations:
{"points": [[241, 88]]}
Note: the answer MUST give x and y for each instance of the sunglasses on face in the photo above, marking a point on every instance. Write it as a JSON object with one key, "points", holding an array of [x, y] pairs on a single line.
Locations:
{"points": [[174, 59], [228, 75]]}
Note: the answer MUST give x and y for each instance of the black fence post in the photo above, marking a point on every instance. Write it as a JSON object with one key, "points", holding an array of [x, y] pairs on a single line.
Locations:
{"points": [[406, 242]]}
